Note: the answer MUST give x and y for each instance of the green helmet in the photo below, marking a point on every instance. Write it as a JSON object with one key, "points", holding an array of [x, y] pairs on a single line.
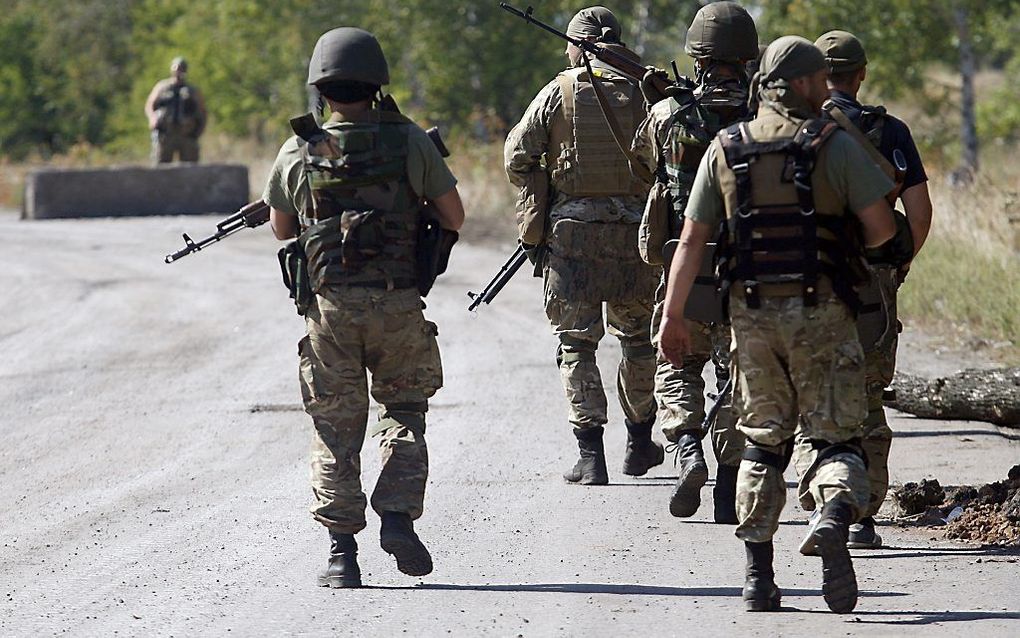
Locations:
{"points": [[843, 51], [179, 63], [722, 31], [348, 53]]}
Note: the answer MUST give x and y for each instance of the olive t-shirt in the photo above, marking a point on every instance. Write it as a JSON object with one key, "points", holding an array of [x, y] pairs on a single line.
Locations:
{"points": [[287, 187], [857, 180]]}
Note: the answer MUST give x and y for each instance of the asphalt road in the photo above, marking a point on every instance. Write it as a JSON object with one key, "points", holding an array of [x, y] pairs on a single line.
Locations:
{"points": [[154, 473]]}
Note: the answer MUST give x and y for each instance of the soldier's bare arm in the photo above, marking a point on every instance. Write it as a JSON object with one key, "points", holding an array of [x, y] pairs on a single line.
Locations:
{"points": [[674, 337], [450, 209], [285, 226], [150, 104], [877, 221], [917, 202]]}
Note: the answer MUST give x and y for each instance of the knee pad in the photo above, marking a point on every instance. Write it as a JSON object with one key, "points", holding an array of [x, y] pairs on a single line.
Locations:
{"points": [[774, 456]]}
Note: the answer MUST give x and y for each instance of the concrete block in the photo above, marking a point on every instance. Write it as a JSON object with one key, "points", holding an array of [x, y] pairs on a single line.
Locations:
{"points": [[170, 189]]}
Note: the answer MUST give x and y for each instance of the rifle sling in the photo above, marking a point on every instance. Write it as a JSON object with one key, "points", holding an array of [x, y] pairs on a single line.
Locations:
{"points": [[847, 125], [636, 168]]}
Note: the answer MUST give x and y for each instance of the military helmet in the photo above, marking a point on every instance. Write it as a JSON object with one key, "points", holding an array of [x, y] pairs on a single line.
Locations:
{"points": [[722, 31], [843, 51], [179, 63], [348, 53]]}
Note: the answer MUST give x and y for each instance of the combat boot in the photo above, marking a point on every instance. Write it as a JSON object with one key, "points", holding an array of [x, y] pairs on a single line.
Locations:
{"points": [[686, 497], [724, 495], [397, 538], [590, 468], [839, 583], [863, 535], [342, 571], [642, 452], [760, 591]]}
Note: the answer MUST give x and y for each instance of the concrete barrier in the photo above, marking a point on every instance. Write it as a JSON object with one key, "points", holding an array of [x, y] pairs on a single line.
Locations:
{"points": [[171, 189]]}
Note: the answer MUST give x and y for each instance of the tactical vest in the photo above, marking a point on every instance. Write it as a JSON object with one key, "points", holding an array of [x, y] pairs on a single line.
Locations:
{"points": [[785, 232], [585, 159], [360, 228], [178, 109]]}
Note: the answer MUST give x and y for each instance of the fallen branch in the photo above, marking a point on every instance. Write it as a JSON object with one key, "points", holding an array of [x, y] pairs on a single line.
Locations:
{"points": [[971, 395]]}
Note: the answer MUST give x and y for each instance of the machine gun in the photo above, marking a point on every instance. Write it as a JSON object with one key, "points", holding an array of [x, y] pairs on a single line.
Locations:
{"points": [[502, 278], [251, 215]]}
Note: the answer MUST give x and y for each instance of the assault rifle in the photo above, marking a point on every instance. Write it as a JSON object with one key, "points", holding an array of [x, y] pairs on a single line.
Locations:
{"points": [[651, 78], [251, 215], [502, 278]]}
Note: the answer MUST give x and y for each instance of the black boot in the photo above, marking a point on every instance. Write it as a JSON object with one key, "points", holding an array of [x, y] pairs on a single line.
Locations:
{"points": [[686, 497], [343, 570], [724, 495], [590, 468], [839, 583], [642, 452], [397, 537], [760, 591]]}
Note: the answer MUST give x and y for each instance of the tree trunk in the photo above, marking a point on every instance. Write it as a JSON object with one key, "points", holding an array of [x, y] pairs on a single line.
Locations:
{"points": [[968, 69], [971, 395], [642, 25]]}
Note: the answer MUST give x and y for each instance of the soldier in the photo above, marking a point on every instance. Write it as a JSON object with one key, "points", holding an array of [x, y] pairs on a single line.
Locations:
{"points": [[357, 221], [578, 215], [877, 324], [670, 143], [177, 116], [779, 188]]}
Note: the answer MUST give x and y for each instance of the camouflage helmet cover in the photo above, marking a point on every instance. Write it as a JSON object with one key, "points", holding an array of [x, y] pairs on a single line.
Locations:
{"points": [[843, 51], [722, 31], [348, 53], [179, 63]]}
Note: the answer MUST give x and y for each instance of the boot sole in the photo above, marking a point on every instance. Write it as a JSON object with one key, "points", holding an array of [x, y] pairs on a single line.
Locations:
{"points": [[686, 498], [335, 582], [631, 470], [839, 582], [412, 557]]}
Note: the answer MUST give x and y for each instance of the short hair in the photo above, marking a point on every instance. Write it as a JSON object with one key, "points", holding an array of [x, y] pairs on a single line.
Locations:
{"points": [[347, 91], [843, 78]]}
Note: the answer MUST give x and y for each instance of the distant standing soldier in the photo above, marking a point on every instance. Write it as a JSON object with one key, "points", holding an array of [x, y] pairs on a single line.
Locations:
{"points": [[353, 193], [671, 143], [890, 142], [779, 189], [578, 214], [177, 116]]}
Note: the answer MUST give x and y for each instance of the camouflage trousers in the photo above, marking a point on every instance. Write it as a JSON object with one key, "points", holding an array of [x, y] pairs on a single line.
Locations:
{"points": [[795, 360], [579, 327], [680, 392], [879, 367], [166, 145], [352, 332]]}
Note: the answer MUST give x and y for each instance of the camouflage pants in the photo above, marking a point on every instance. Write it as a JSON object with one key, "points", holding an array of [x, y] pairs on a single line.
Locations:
{"points": [[795, 360], [166, 145], [879, 367], [352, 331], [680, 392], [579, 327]]}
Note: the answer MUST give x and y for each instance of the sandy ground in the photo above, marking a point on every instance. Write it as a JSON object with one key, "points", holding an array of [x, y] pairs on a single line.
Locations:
{"points": [[141, 495]]}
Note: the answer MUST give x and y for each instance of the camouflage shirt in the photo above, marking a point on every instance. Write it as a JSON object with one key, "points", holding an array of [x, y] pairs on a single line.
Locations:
{"points": [[526, 151]]}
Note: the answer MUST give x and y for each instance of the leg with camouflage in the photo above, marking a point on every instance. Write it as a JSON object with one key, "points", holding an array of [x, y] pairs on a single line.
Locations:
{"points": [[630, 322], [727, 440], [802, 361], [188, 148], [162, 148], [680, 393], [579, 327]]}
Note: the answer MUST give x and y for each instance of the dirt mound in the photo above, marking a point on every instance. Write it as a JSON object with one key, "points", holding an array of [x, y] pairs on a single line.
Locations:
{"points": [[989, 514]]}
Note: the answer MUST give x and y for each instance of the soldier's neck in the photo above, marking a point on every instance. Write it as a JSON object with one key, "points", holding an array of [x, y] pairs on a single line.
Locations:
{"points": [[351, 111]]}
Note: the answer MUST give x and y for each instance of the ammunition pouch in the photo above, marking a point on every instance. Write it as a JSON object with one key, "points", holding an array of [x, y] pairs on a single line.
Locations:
{"points": [[433, 249], [653, 232], [705, 303], [294, 268]]}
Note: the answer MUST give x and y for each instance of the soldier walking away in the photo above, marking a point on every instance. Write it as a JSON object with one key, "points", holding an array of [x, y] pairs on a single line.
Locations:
{"points": [[670, 143], [353, 193], [779, 189], [177, 116], [578, 214], [893, 148]]}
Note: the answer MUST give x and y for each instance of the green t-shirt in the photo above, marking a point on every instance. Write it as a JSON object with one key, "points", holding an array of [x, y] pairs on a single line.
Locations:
{"points": [[850, 170], [287, 188]]}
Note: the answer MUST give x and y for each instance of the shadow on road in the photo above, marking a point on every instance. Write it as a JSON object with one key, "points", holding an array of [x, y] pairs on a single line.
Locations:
{"points": [[923, 552], [629, 590], [926, 433], [933, 617]]}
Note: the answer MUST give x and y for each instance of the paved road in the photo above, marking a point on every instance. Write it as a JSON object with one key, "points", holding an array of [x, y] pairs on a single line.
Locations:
{"points": [[141, 495]]}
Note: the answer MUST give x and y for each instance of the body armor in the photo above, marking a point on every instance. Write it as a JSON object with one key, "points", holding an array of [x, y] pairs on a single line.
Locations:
{"points": [[360, 228], [177, 110], [585, 160], [785, 232]]}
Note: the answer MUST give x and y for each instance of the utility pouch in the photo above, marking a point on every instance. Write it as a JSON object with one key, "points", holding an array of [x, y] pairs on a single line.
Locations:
{"points": [[294, 268], [705, 303], [362, 237], [433, 249], [653, 232]]}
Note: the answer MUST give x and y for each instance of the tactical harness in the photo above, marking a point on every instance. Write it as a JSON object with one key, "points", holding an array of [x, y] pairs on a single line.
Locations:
{"points": [[789, 242]]}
